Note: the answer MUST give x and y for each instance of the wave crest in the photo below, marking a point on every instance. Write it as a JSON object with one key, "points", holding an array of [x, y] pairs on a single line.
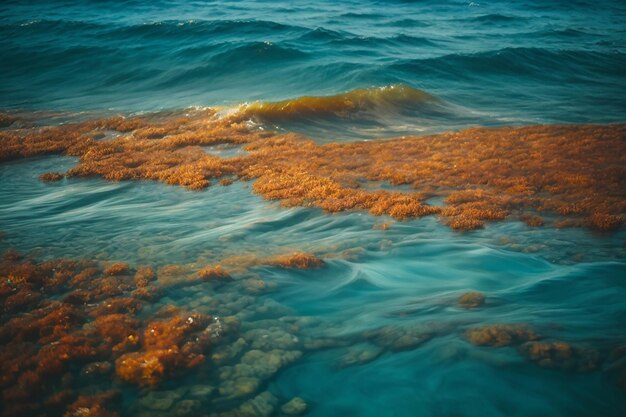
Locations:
{"points": [[378, 100]]}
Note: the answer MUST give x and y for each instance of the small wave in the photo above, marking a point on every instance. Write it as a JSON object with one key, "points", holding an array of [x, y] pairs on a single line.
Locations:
{"points": [[539, 63], [352, 15], [379, 100], [197, 28], [238, 59], [496, 17]]}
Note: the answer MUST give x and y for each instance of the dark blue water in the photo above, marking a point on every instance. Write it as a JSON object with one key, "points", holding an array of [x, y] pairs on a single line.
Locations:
{"points": [[483, 63], [503, 62]]}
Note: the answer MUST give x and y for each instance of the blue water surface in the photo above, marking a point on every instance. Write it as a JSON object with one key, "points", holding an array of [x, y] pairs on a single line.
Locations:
{"points": [[489, 63], [529, 61]]}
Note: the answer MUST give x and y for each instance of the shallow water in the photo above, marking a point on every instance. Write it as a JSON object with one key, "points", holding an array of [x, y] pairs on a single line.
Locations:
{"points": [[567, 284], [378, 330]]}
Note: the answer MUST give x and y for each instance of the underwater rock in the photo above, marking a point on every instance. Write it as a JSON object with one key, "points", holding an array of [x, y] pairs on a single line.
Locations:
{"points": [[359, 355], [294, 407], [270, 308], [319, 343], [187, 408], [239, 387], [561, 355], [616, 369], [271, 338], [500, 335], [227, 352], [260, 364], [472, 299], [255, 366], [159, 400], [201, 391], [397, 338], [263, 405], [258, 286]]}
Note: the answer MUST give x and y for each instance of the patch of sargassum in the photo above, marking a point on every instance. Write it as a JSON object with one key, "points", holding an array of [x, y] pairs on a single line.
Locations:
{"points": [[564, 175]]}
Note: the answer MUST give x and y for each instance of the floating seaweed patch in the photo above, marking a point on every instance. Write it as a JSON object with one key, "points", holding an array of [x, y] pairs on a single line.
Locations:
{"points": [[483, 174]]}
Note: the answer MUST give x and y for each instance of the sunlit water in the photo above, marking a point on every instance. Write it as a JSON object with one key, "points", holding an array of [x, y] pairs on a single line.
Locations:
{"points": [[514, 62], [485, 63], [568, 284]]}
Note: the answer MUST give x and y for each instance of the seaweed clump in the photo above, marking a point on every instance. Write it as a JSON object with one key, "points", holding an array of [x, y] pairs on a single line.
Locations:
{"points": [[471, 299], [561, 355], [573, 174], [60, 316], [297, 260], [499, 335], [168, 346]]}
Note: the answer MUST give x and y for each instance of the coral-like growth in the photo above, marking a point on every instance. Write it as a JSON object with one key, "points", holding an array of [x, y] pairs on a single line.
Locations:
{"points": [[500, 335], [297, 260]]}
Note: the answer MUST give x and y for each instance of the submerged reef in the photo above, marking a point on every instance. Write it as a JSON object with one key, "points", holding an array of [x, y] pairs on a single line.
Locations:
{"points": [[561, 175], [78, 335]]}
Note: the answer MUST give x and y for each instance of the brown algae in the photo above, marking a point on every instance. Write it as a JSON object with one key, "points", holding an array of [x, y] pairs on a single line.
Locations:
{"points": [[565, 173]]}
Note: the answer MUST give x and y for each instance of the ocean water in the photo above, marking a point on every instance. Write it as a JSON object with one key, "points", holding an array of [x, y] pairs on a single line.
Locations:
{"points": [[460, 64], [513, 62]]}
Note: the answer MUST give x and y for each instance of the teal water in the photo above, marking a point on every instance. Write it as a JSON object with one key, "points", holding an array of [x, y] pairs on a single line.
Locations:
{"points": [[495, 62], [569, 285], [483, 63]]}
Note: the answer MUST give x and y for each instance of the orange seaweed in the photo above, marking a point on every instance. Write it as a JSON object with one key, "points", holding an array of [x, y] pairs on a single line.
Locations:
{"points": [[576, 171], [44, 341], [297, 260], [118, 268], [561, 355], [472, 299], [209, 273], [51, 176], [500, 335]]}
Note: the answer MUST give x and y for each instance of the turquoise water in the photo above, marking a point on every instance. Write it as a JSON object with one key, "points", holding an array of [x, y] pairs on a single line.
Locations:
{"points": [[496, 62], [483, 63], [568, 284]]}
